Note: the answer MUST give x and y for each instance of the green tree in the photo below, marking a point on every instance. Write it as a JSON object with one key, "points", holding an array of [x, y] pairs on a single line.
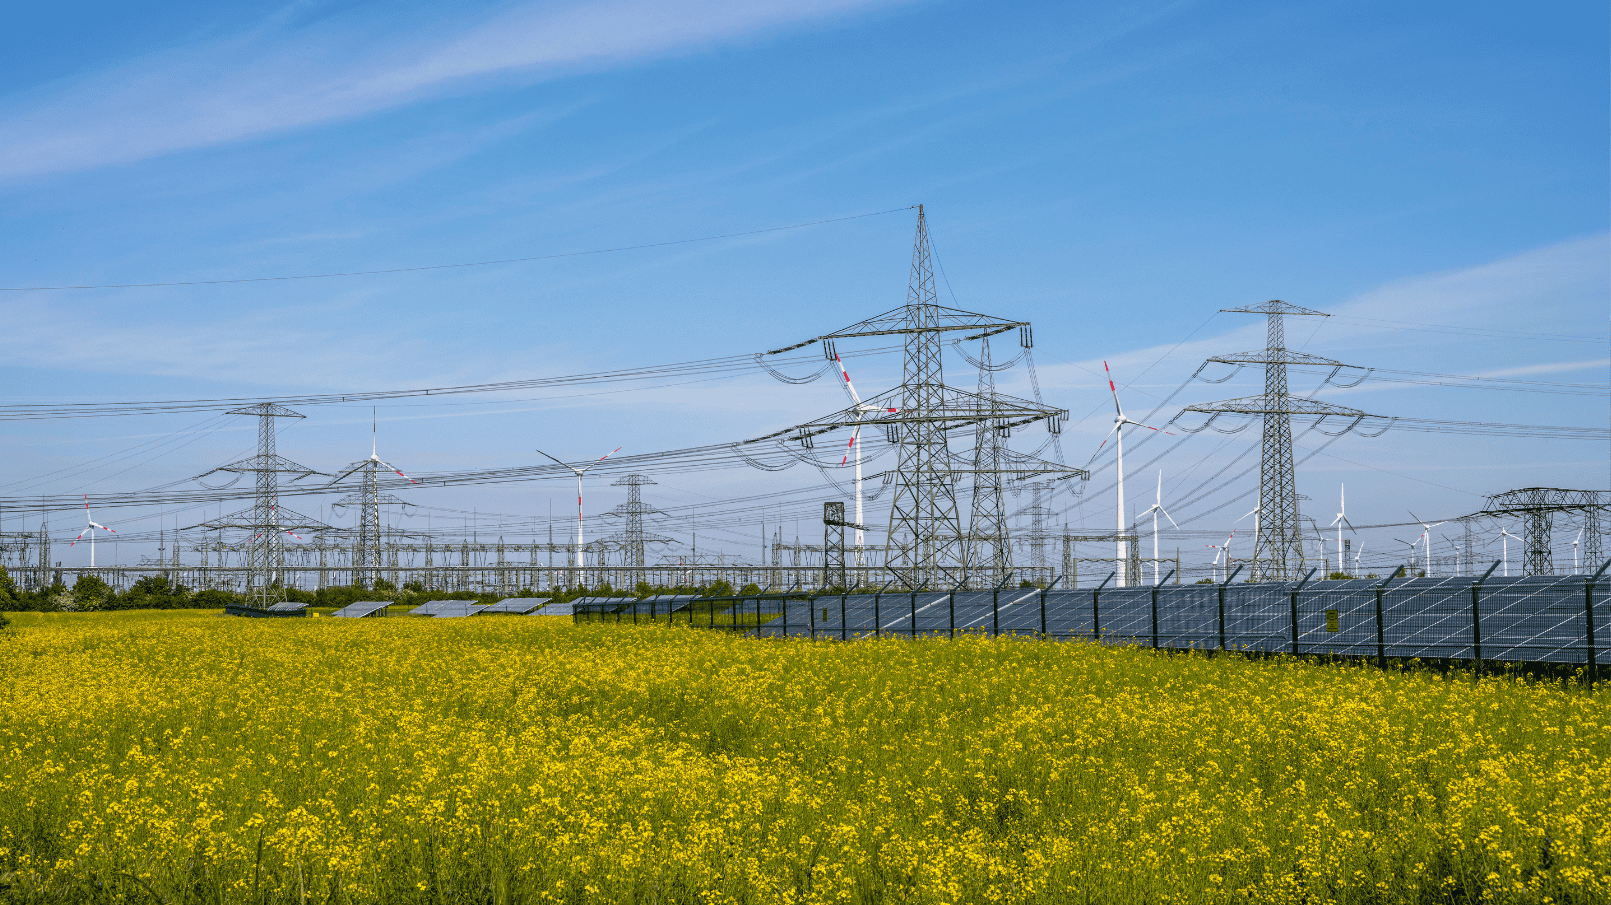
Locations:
{"points": [[91, 593]]}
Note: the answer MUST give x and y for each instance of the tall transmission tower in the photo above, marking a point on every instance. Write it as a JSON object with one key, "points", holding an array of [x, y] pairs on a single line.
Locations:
{"points": [[267, 520], [1278, 547], [991, 553], [635, 539], [367, 562], [1537, 507], [926, 546]]}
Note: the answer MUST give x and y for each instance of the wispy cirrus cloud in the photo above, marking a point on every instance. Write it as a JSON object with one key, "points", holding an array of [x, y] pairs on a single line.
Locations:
{"points": [[278, 77]]}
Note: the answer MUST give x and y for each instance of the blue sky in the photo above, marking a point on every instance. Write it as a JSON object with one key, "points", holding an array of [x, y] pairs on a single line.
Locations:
{"points": [[1433, 174]]}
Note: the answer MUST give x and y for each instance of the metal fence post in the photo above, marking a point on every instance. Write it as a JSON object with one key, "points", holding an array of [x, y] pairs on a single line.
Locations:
{"points": [[953, 606], [844, 630], [1155, 588], [813, 617], [914, 615], [1043, 592], [1381, 636], [1476, 616], [995, 612], [1588, 623], [1096, 619], [1295, 610], [1222, 587]]}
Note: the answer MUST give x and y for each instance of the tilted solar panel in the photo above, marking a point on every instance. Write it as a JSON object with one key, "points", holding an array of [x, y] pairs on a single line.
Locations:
{"points": [[456, 609], [363, 608], [517, 606], [288, 606]]}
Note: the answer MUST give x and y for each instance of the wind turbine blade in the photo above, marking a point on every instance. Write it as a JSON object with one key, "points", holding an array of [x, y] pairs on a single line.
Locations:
{"points": [[1104, 441], [1350, 525], [1167, 515], [1113, 389], [852, 445], [80, 534], [398, 473], [855, 398], [556, 461]]}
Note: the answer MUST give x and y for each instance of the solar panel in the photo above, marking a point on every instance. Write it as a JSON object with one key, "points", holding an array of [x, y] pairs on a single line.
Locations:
{"points": [[457, 609], [517, 606], [288, 606], [555, 609], [362, 608], [430, 607]]}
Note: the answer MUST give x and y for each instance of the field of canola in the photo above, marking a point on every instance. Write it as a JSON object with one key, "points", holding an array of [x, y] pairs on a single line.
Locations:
{"points": [[185, 757]]}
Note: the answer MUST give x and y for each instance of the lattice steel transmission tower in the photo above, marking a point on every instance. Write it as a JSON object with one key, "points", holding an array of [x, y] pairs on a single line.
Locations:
{"points": [[991, 543], [1537, 507], [367, 561], [1278, 547], [635, 539], [267, 520], [926, 546], [834, 572]]}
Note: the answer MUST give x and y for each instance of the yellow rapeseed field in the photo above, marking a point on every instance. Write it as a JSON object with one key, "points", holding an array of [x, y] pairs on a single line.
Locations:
{"points": [[181, 757]]}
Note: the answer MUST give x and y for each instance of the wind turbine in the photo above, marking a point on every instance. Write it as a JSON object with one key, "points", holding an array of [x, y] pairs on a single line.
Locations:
{"points": [[1426, 532], [1340, 521], [1574, 549], [1222, 548], [579, 473], [1156, 508], [90, 530], [1357, 554], [853, 449], [1505, 536], [1119, 421]]}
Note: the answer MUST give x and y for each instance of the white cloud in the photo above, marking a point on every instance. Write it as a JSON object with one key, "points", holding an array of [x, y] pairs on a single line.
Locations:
{"points": [[276, 78]]}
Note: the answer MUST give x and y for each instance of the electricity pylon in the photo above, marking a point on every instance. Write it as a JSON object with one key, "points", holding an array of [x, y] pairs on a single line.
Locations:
{"points": [[926, 546], [1278, 548], [267, 520], [635, 539], [367, 565], [1537, 507]]}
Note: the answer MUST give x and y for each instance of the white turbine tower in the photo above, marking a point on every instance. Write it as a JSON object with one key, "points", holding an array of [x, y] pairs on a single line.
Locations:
{"points": [[1504, 537], [1574, 549], [90, 529], [1156, 508], [1119, 421], [1426, 534], [579, 472], [1340, 521], [854, 449]]}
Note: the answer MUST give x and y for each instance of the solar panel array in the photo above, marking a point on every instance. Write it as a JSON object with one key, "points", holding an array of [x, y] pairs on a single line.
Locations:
{"points": [[363, 608], [1543, 619], [287, 607]]}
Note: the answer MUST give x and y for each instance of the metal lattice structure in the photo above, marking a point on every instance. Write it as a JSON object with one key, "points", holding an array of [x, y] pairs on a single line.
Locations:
{"points": [[634, 539], [1537, 507], [927, 546], [991, 544], [267, 519], [1278, 546], [833, 545]]}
